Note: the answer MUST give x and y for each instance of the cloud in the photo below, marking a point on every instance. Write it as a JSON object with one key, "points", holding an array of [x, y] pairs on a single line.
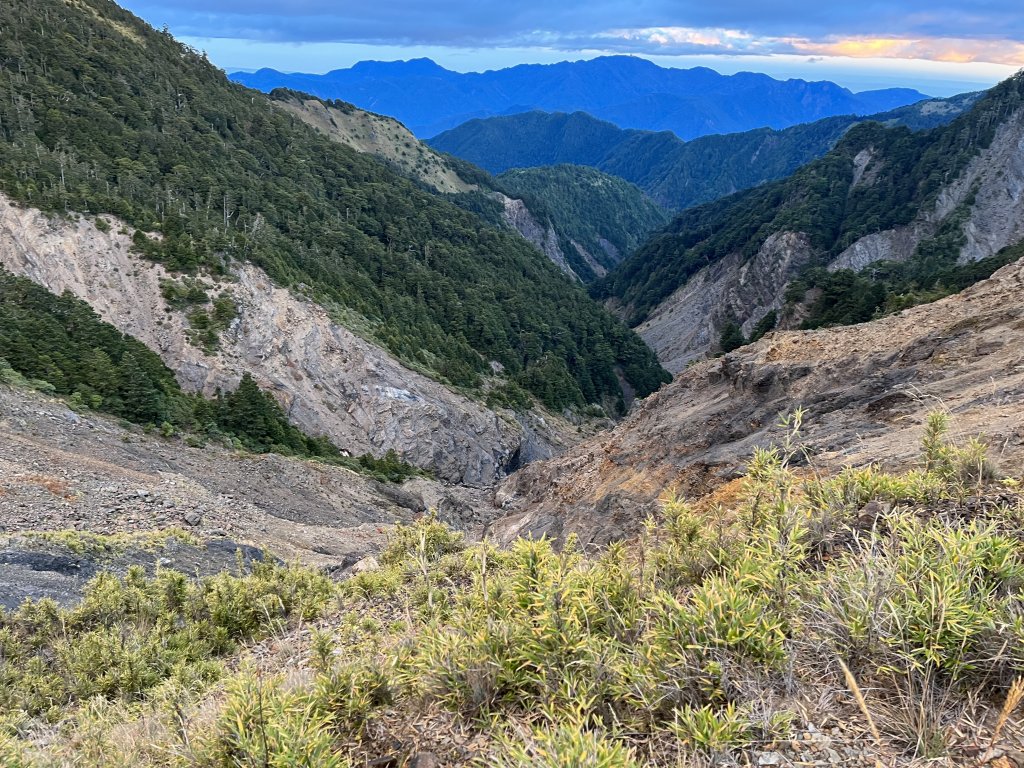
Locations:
{"points": [[958, 50], [943, 29], [682, 40]]}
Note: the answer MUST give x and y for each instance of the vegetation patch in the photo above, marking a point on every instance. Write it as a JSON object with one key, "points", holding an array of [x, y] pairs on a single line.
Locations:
{"points": [[102, 546], [715, 637]]}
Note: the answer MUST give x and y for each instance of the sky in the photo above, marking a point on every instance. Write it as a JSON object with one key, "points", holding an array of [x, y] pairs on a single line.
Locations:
{"points": [[940, 47]]}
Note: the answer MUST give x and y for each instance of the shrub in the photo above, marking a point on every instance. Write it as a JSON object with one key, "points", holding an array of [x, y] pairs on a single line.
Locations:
{"points": [[130, 634], [565, 746], [262, 725]]}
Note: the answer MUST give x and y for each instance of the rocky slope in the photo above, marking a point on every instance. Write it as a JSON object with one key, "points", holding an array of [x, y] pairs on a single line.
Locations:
{"points": [[63, 471], [543, 236], [688, 324], [329, 380], [992, 187], [377, 135], [984, 205], [867, 390]]}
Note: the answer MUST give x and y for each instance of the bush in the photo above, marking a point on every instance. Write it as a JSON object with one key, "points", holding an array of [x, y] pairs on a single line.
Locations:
{"points": [[680, 649], [130, 634], [565, 746]]}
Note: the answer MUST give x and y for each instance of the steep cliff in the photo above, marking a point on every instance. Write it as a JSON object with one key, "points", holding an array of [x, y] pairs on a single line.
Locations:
{"points": [[329, 380], [867, 390], [542, 236]]}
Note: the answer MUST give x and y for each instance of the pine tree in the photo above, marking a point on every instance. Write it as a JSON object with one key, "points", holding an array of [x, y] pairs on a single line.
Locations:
{"points": [[142, 400]]}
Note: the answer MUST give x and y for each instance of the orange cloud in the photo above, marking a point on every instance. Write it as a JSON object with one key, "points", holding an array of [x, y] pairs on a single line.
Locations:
{"points": [[716, 40], [957, 50]]}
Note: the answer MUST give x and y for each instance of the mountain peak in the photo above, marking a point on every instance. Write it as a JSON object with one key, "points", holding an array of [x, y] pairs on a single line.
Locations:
{"points": [[420, 66]]}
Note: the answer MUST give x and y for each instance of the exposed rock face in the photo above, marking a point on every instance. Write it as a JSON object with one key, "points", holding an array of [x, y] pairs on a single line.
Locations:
{"points": [[687, 325], [329, 380], [995, 178], [689, 322], [545, 239], [867, 390], [591, 262], [888, 245]]}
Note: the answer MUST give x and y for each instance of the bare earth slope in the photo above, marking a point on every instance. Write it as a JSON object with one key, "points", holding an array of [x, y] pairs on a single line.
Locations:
{"points": [[68, 472], [378, 135], [867, 390], [329, 380], [62, 470]]}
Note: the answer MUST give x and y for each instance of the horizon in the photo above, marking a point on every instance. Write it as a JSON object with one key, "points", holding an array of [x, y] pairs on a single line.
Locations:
{"points": [[938, 48], [857, 75], [578, 60]]}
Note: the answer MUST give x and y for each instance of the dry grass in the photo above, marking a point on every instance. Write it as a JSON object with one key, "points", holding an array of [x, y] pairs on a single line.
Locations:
{"points": [[862, 704], [1013, 699]]}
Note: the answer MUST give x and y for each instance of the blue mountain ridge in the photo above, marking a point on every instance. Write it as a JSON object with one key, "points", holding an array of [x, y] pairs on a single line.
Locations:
{"points": [[626, 90]]}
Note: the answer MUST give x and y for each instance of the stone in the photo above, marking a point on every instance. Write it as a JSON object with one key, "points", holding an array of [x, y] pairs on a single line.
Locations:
{"points": [[366, 565], [192, 518]]}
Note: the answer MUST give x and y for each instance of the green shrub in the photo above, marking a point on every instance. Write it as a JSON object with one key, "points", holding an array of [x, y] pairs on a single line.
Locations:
{"points": [[262, 725], [565, 746], [711, 729], [130, 634]]}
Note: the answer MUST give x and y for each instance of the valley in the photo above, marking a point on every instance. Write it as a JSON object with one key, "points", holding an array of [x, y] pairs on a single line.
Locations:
{"points": [[642, 416]]}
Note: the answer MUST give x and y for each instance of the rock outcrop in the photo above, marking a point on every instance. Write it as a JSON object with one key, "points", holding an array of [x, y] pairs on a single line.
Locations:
{"points": [[329, 380], [689, 322], [867, 390], [544, 238]]}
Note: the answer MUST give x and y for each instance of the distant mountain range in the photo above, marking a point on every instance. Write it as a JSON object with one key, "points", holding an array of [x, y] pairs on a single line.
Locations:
{"points": [[628, 91], [675, 173]]}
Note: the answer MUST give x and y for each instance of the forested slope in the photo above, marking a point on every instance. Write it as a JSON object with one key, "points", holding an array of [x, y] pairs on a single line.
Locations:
{"points": [[103, 114], [876, 179], [675, 173]]}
